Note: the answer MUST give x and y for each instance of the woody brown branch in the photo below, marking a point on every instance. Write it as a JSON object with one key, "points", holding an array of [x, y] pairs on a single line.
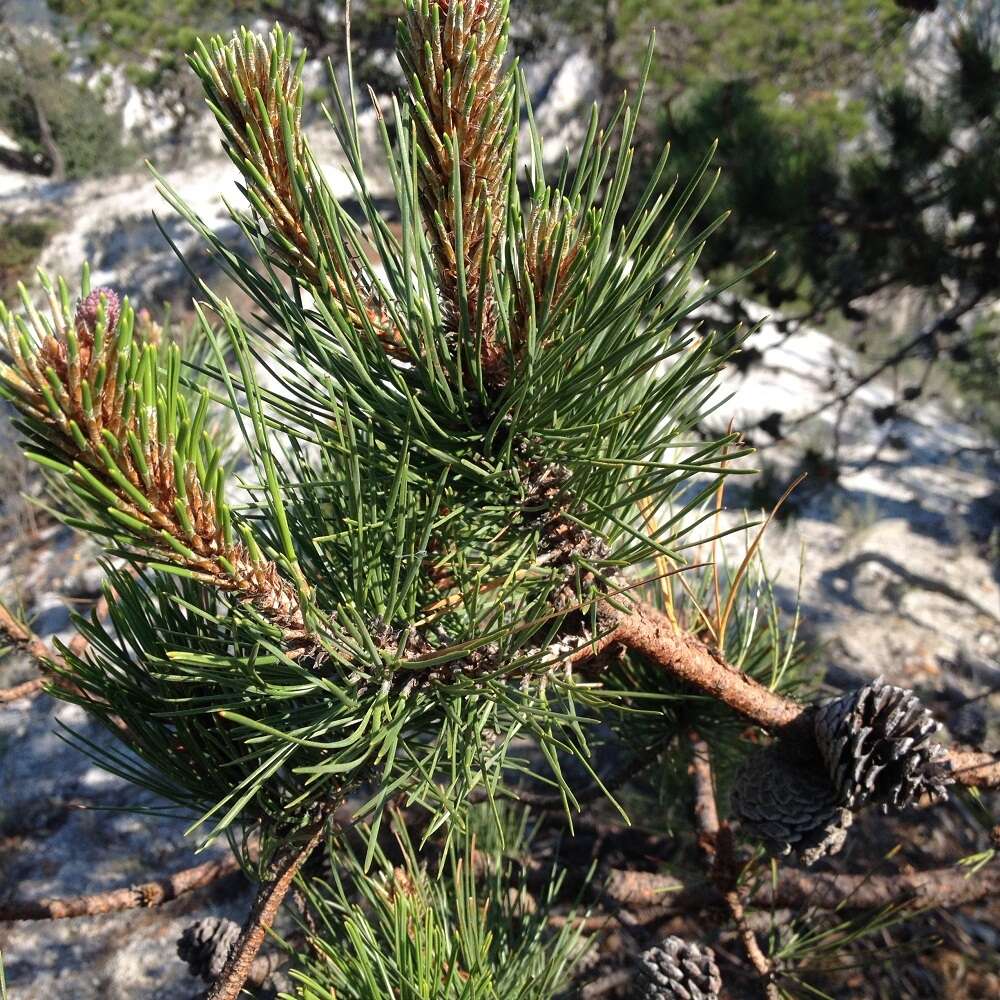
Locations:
{"points": [[143, 895], [240, 964], [716, 840], [45, 659], [735, 898], [26, 690], [944, 888], [42, 655], [21, 636], [706, 812], [647, 632]]}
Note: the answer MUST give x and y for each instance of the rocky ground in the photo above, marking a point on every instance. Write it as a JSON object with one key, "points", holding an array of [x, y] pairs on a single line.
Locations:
{"points": [[896, 558], [895, 563]]}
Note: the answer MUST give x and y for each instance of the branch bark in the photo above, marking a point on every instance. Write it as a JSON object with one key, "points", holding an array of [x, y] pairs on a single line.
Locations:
{"points": [[43, 655], [39, 651], [143, 895], [943, 888], [26, 690], [716, 840], [706, 811], [647, 632], [239, 966], [22, 637]]}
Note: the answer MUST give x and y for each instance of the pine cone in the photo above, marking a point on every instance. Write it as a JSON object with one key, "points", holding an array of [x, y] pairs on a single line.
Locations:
{"points": [[878, 746], [790, 804], [206, 945], [676, 969]]}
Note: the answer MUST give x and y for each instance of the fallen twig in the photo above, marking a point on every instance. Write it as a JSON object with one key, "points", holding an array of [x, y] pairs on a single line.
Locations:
{"points": [[141, 896], [945, 888]]}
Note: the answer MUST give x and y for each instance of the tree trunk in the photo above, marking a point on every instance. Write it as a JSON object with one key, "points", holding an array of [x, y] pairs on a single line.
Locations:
{"points": [[57, 162], [52, 151]]}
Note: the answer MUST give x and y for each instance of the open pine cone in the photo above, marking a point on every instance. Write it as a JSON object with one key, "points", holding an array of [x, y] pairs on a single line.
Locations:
{"points": [[676, 969], [790, 804], [206, 944], [878, 745]]}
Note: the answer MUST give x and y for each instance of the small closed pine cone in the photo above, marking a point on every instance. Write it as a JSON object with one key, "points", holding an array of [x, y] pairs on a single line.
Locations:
{"points": [[676, 969], [878, 745], [790, 804], [206, 945]]}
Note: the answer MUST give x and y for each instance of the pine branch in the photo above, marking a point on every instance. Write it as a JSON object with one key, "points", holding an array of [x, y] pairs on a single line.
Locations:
{"points": [[46, 660], [462, 98], [26, 690], [717, 843], [41, 655], [205, 945], [706, 812], [240, 964], [647, 632], [140, 896], [18, 633], [106, 412], [254, 89], [727, 870], [947, 888]]}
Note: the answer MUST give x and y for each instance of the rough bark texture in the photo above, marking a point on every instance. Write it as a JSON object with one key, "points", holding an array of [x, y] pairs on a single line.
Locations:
{"points": [[716, 840], [706, 812], [43, 656], [25, 639], [689, 660], [649, 633], [25, 690], [135, 897], [239, 967], [937, 887]]}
